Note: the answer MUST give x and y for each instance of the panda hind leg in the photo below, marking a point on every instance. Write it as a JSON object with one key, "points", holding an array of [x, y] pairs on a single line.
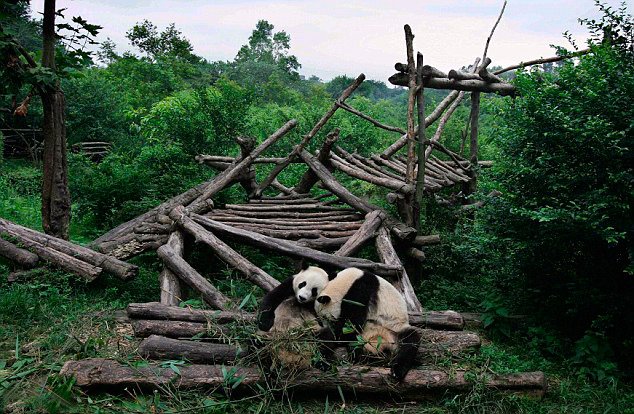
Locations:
{"points": [[408, 342]]}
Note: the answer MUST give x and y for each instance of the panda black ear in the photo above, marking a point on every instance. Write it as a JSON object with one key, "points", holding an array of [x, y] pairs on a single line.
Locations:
{"points": [[331, 276], [303, 264], [324, 299]]}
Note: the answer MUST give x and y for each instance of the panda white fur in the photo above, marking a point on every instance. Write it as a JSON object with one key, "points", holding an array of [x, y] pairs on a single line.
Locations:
{"points": [[290, 307], [376, 310]]}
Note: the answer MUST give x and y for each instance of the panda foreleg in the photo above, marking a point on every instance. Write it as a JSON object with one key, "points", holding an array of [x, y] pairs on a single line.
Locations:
{"points": [[271, 301], [408, 342]]}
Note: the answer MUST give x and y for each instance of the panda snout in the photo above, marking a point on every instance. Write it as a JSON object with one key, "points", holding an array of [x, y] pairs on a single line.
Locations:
{"points": [[301, 298]]}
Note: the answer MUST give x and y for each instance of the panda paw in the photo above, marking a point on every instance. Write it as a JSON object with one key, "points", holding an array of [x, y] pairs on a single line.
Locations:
{"points": [[265, 321], [399, 372]]}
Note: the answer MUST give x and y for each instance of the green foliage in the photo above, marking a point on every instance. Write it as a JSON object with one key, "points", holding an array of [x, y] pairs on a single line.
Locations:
{"points": [[270, 48], [170, 42]]}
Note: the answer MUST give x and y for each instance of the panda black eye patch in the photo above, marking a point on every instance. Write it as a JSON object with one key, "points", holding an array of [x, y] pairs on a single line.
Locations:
{"points": [[314, 292], [301, 285]]}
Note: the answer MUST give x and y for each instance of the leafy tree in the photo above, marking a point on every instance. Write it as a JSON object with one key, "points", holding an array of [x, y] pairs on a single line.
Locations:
{"points": [[170, 42], [269, 48], [565, 168]]}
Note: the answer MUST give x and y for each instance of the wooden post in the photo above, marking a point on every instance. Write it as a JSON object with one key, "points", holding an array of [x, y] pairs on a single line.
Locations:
{"points": [[309, 179], [420, 175], [411, 133], [170, 286]]}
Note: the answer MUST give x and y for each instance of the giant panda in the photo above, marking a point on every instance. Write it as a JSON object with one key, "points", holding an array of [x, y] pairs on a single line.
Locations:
{"points": [[288, 311], [376, 311]]}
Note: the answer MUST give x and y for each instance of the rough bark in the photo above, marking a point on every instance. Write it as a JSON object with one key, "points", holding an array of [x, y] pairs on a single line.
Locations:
{"points": [[160, 347], [426, 240], [372, 222], [177, 329], [388, 255], [309, 179], [418, 384], [171, 292], [156, 310], [399, 229], [417, 206], [110, 264], [23, 258], [300, 147], [390, 183], [502, 89], [293, 249], [55, 193], [189, 275], [224, 251], [63, 261], [430, 71]]}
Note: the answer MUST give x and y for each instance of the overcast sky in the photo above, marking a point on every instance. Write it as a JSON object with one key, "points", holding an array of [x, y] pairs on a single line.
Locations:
{"points": [[331, 37]]}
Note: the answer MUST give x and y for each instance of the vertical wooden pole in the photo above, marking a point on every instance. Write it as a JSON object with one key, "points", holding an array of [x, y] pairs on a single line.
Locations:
{"points": [[473, 142], [410, 176], [420, 175]]}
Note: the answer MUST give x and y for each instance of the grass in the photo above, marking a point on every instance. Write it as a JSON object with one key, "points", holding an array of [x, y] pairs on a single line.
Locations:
{"points": [[54, 317]]}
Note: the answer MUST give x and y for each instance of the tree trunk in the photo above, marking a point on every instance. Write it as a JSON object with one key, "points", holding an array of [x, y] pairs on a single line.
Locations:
{"points": [[55, 193]]}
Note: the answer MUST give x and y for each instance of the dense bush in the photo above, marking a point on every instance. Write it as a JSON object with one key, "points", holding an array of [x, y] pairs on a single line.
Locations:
{"points": [[566, 218]]}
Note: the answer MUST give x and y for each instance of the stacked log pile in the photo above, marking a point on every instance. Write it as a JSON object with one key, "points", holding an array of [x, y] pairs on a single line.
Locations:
{"points": [[167, 335], [37, 247], [95, 150]]}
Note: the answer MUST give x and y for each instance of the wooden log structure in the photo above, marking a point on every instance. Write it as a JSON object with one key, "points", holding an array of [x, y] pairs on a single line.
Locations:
{"points": [[418, 384], [429, 240], [224, 251], [306, 139], [189, 275], [445, 320], [171, 292], [372, 222], [388, 255], [54, 245], [124, 243], [23, 258], [399, 229], [471, 85], [293, 249], [164, 341], [159, 311], [309, 179], [160, 347]]}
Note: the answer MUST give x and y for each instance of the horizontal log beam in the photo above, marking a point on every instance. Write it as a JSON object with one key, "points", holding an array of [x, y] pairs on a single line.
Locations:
{"points": [[503, 89], [160, 347], [24, 258], [418, 384], [156, 310], [293, 249]]}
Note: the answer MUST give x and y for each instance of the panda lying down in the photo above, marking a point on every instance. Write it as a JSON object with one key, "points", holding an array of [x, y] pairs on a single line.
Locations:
{"points": [[371, 305]]}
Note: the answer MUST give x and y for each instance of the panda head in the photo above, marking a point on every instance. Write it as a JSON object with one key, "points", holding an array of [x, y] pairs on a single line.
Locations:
{"points": [[308, 283]]}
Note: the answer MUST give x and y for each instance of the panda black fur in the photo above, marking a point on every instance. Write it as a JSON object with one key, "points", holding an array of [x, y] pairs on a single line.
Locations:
{"points": [[376, 310], [291, 306]]}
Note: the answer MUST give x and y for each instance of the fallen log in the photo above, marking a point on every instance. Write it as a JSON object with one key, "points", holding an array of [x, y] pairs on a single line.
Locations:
{"points": [[110, 264], [178, 329], [445, 320], [170, 286], [160, 347], [156, 310], [189, 275], [322, 243], [161, 342], [295, 250], [23, 258], [372, 222], [418, 384]]}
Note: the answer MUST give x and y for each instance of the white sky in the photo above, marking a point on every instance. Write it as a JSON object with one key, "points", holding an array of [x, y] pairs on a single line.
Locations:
{"points": [[331, 37]]}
